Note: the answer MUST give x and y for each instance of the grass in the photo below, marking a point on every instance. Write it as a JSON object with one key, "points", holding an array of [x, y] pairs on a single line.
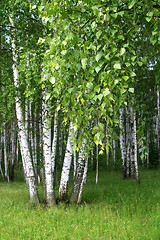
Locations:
{"points": [[113, 209]]}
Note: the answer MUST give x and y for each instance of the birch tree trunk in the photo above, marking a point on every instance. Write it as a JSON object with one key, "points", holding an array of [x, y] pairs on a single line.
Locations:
{"points": [[83, 180], [1, 171], [96, 164], [13, 154], [114, 151], [54, 144], [49, 194], [107, 147], [128, 144], [78, 180], [122, 140], [158, 125], [148, 149], [24, 146], [135, 147], [60, 140], [132, 149], [63, 189], [6, 167]]}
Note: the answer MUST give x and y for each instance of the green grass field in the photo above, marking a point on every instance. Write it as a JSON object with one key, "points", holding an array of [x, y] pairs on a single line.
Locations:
{"points": [[113, 209]]}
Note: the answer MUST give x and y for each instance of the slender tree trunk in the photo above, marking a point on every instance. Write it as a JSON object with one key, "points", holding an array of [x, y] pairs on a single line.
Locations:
{"points": [[96, 164], [83, 180], [135, 147], [54, 143], [114, 151], [48, 174], [13, 144], [148, 142], [78, 180], [132, 150], [142, 159], [74, 161], [107, 147], [1, 171], [63, 189], [92, 160], [60, 144], [122, 140], [128, 144], [158, 125], [6, 167], [27, 161]]}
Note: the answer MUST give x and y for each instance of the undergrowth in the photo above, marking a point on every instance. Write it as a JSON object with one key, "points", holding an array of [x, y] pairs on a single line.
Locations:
{"points": [[112, 209]]}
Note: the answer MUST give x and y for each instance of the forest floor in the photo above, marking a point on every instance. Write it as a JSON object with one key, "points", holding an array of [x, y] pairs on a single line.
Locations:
{"points": [[112, 209]]}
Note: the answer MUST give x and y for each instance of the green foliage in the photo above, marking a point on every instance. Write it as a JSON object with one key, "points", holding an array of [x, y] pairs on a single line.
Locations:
{"points": [[94, 55]]}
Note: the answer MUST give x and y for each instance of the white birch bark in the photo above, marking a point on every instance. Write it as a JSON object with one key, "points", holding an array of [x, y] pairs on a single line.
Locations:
{"points": [[24, 146], [1, 171], [122, 140], [114, 151], [96, 164], [76, 194], [54, 143], [5, 155], [142, 159], [148, 141], [49, 193], [107, 147], [158, 125], [60, 144], [135, 147], [63, 189], [13, 152], [83, 180], [128, 143], [132, 149], [17, 152], [92, 160], [75, 163]]}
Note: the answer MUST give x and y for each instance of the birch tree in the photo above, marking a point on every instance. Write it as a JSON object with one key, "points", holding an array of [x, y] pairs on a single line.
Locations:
{"points": [[63, 189], [49, 194], [27, 161], [76, 194]]}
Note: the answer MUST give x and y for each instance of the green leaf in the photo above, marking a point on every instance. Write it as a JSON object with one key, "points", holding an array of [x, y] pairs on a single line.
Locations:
{"points": [[122, 91], [152, 40], [132, 74], [107, 57], [97, 69], [98, 34], [101, 125], [70, 90], [125, 78], [122, 51], [117, 66], [34, 6], [131, 90], [84, 62], [47, 97], [64, 52], [106, 92], [98, 56], [100, 96], [89, 85], [131, 4], [148, 19], [52, 80]]}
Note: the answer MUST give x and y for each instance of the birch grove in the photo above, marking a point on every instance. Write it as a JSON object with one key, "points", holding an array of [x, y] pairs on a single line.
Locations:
{"points": [[59, 75]]}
